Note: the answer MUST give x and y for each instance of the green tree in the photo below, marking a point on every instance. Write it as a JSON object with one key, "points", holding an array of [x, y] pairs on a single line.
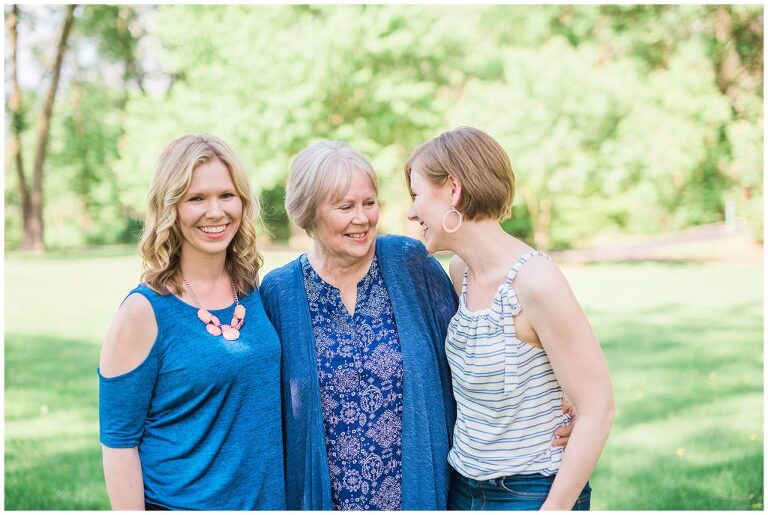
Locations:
{"points": [[280, 77], [31, 195], [616, 117]]}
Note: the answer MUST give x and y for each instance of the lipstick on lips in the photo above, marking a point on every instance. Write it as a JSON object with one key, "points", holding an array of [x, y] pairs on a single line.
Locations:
{"points": [[214, 232]]}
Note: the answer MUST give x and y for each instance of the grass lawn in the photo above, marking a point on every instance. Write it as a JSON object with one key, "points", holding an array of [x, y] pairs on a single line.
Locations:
{"points": [[684, 343]]}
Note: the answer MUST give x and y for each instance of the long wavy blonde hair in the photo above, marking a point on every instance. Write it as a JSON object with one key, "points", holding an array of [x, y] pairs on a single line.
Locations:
{"points": [[161, 240]]}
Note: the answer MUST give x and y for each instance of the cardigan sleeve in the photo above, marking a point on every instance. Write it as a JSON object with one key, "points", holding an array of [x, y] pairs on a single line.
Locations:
{"points": [[307, 477], [442, 296], [423, 301], [443, 303], [269, 299], [428, 274]]}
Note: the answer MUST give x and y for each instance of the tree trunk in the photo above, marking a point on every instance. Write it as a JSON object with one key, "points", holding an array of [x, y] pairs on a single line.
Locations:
{"points": [[732, 79], [17, 118], [33, 227], [730, 73]]}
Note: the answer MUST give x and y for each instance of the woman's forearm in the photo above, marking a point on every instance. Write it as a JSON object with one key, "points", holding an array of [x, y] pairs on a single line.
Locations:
{"points": [[122, 473], [579, 458]]}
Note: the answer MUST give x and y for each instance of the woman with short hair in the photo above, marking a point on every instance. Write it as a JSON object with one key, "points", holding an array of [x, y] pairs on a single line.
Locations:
{"points": [[189, 393], [517, 342]]}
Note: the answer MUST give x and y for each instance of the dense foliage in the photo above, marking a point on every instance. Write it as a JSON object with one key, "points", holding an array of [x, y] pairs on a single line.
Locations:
{"points": [[622, 118]]}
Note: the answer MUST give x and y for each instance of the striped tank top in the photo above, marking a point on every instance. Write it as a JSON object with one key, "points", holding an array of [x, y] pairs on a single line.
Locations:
{"points": [[508, 400]]}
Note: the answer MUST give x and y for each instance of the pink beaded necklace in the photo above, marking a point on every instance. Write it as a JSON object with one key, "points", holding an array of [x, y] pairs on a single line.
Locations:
{"points": [[212, 324]]}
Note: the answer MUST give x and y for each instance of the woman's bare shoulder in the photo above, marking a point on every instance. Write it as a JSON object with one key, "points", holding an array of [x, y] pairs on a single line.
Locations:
{"points": [[130, 337], [539, 277]]}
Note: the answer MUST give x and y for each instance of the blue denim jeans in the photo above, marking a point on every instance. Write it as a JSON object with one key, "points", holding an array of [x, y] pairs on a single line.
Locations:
{"points": [[520, 492]]}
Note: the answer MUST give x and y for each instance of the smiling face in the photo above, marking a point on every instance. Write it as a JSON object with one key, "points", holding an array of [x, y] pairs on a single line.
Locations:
{"points": [[430, 204], [346, 228], [210, 211]]}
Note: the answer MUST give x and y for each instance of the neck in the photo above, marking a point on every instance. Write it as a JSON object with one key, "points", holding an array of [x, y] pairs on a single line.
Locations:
{"points": [[336, 269], [202, 268], [484, 246]]}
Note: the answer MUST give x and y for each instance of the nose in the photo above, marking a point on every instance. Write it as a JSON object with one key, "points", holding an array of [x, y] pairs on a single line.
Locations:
{"points": [[361, 217], [412, 215], [214, 209]]}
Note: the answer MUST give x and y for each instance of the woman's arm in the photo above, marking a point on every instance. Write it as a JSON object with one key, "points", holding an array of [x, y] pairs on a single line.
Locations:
{"points": [[122, 473], [127, 344], [580, 368]]}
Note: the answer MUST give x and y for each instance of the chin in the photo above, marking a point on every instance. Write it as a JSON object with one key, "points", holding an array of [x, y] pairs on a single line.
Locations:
{"points": [[363, 251], [433, 246]]}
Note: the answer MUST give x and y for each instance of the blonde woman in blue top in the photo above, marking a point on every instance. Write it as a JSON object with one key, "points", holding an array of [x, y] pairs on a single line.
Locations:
{"points": [[189, 375], [518, 341]]}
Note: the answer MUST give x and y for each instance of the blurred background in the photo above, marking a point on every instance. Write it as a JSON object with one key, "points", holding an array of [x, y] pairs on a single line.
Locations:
{"points": [[636, 136]]}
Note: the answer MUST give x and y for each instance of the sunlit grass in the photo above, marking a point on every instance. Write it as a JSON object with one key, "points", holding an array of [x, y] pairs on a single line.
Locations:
{"points": [[684, 343]]}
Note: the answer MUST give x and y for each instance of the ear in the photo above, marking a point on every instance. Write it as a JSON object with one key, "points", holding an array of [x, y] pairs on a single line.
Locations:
{"points": [[455, 190]]}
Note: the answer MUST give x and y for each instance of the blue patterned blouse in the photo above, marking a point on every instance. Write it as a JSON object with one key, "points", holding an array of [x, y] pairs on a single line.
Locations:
{"points": [[360, 370]]}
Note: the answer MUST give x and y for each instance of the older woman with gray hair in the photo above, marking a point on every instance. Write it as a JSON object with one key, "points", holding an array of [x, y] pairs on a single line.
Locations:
{"points": [[367, 406]]}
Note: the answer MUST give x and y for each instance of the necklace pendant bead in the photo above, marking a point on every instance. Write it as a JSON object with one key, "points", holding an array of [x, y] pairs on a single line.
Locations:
{"points": [[230, 333], [204, 315], [211, 321]]}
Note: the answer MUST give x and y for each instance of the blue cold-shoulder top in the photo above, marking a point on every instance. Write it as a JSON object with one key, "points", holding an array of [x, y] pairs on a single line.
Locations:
{"points": [[204, 412]]}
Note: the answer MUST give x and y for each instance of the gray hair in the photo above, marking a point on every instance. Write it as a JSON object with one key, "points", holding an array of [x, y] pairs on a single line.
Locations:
{"points": [[322, 172]]}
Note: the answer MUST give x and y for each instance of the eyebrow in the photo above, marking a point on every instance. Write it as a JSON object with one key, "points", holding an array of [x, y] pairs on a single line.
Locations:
{"points": [[191, 193]]}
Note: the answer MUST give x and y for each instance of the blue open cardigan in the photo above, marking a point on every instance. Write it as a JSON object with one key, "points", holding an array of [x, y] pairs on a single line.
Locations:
{"points": [[423, 301]]}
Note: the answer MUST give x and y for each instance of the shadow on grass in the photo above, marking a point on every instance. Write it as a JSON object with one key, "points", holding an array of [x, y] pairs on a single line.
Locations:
{"points": [[695, 486], [52, 451], [665, 375], [44, 478], [60, 372], [662, 370], [664, 483]]}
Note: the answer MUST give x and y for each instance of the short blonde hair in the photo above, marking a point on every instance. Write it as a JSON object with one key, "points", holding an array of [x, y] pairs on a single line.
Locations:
{"points": [[320, 172], [161, 240], [475, 160]]}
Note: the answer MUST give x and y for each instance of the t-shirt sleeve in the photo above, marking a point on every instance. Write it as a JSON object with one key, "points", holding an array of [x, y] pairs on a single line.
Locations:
{"points": [[124, 403]]}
